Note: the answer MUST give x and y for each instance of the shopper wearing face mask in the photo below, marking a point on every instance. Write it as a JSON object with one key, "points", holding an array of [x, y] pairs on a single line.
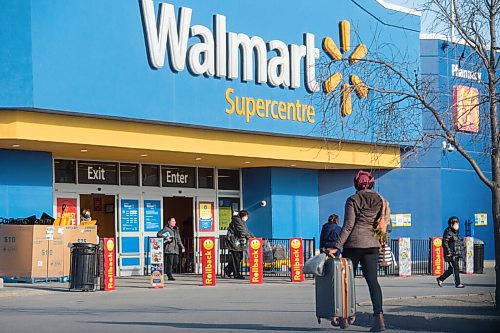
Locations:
{"points": [[236, 242], [452, 248], [85, 216], [171, 245]]}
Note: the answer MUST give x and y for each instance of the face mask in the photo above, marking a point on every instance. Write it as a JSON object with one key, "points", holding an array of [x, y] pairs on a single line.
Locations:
{"points": [[86, 215], [245, 218], [455, 226]]}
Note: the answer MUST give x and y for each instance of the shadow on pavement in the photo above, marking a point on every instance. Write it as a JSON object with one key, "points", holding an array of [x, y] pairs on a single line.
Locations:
{"points": [[442, 324], [232, 327]]}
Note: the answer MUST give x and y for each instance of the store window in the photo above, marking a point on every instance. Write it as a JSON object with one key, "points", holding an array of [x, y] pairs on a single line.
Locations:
{"points": [[150, 175], [65, 171], [173, 176], [129, 174], [227, 208], [229, 179], [205, 178], [103, 173]]}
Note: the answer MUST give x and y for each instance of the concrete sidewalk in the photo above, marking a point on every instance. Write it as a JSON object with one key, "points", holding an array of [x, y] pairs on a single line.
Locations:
{"points": [[235, 306]]}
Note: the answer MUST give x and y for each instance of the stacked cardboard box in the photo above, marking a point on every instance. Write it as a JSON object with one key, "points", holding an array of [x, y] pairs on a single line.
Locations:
{"points": [[35, 251]]}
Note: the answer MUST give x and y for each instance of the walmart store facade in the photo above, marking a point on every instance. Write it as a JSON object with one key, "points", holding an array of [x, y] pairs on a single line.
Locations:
{"points": [[140, 110]]}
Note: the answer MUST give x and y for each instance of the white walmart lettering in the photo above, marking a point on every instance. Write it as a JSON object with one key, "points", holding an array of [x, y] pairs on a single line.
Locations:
{"points": [[220, 56]]}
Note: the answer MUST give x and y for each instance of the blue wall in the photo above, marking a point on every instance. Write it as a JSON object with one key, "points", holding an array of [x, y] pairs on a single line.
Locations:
{"points": [[25, 183], [292, 202]]}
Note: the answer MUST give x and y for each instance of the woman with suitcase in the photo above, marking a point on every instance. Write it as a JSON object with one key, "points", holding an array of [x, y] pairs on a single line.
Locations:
{"points": [[360, 243]]}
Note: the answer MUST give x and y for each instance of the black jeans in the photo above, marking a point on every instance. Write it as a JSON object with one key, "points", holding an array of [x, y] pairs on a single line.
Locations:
{"points": [[234, 266], [452, 269], [369, 264], [171, 261]]}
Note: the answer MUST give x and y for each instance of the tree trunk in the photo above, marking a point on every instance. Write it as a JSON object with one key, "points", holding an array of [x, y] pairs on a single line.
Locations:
{"points": [[496, 233]]}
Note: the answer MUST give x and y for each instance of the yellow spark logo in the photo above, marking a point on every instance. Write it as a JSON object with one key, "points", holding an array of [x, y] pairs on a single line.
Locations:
{"points": [[334, 80]]}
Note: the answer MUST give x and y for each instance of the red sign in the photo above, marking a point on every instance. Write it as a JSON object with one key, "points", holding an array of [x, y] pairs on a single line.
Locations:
{"points": [[437, 256], [296, 259], [107, 257], [66, 211], [256, 266], [208, 260]]}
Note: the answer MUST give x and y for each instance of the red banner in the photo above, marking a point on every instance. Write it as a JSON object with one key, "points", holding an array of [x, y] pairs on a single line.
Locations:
{"points": [[256, 266], [296, 259], [437, 256], [108, 264], [66, 211], [208, 260]]}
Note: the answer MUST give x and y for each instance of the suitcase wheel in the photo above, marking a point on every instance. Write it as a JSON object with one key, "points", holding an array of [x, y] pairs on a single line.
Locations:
{"points": [[335, 321], [319, 320], [351, 320]]}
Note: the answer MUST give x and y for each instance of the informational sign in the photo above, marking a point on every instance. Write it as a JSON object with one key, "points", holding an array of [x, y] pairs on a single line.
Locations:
{"points": [[469, 255], [206, 216], [404, 256], [225, 216], [156, 253], [401, 220], [174, 176], [104, 173], [437, 256], [108, 266], [129, 215], [256, 262], [296, 259], [465, 108], [67, 211], [208, 260], [152, 215], [480, 219]]}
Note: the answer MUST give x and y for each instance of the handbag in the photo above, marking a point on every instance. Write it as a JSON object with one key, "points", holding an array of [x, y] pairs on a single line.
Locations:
{"points": [[315, 265], [386, 257], [384, 220]]}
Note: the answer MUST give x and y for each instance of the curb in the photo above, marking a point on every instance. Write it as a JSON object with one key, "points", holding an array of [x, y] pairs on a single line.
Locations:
{"points": [[423, 297]]}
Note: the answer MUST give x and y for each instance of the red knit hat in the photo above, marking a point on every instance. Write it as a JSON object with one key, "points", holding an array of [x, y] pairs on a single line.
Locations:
{"points": [[363, 180]]}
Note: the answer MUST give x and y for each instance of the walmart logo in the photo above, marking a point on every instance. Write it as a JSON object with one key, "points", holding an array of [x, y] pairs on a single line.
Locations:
{"points": [[355, 83]]}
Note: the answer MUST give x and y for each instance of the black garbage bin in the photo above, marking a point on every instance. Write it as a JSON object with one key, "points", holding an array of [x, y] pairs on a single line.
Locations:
{"points": [[83, 273], [478, 256]]}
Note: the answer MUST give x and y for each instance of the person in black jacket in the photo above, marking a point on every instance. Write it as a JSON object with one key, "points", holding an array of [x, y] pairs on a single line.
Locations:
{"points": [[329, 233], [172, 244], [453, 251], [236, 242]]}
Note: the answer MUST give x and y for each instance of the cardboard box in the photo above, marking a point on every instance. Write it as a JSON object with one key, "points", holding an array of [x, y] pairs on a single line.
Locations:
{"points": [[56, 254], [24, 251], [75, 234]]}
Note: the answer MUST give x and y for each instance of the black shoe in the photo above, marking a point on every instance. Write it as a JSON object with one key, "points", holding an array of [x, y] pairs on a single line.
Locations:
{"points": [[171, 279], [440, 283], [241, 277], [227, 273]]}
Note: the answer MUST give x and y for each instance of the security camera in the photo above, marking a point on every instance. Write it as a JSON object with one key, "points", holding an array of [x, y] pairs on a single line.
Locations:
{"points": [[263, 203], [450, 148], [99, 189]]}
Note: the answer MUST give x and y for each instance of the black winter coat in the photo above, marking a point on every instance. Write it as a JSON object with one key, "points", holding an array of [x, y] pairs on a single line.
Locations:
{"points": [[236, 231], [452, 244]]}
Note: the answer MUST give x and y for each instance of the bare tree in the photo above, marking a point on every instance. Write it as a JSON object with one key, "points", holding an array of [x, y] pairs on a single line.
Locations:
{"points": [[410, 109]]}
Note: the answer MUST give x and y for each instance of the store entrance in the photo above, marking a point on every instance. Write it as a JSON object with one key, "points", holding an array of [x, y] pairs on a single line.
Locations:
{"points": [[182, 209], [102, 209]]}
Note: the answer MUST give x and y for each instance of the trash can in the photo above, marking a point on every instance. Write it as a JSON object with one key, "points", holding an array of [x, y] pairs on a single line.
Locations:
{"points": [[83, 272], [478, 256]]}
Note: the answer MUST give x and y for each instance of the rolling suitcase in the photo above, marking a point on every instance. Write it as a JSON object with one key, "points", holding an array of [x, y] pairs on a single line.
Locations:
{"points": [[335, 293]]}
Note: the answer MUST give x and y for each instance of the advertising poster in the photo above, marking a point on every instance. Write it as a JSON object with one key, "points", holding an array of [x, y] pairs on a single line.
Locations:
{"points": [[469, 255], [480, 219], [107, 263], [206, 216], [152, 215], [401, 220], [296, 259], [404, 256], [156, 257], [129, 215], [256, 262], [208, 260], [67, 211], [225, 216], [437, 256]]}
